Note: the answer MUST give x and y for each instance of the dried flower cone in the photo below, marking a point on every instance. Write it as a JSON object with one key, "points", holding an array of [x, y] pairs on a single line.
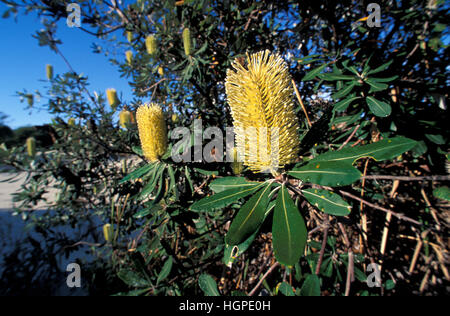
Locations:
{"points": [[260, 98], [152, 131]]}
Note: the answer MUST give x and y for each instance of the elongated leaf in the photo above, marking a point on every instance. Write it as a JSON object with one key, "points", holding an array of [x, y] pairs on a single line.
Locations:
{"points": [[132, 278], [208, 285], [311, 286], [227, 183], [137, 173], [344, 91], [343, 104], [288, 230], [335, 77], [381, 68], [378, 108], [249, 217], [389, 79], [150, 186], [442, 193], [313, 73], [383, 150], [376, 86], [327, 173], [327, 201], [224, 198], [165, 271]]}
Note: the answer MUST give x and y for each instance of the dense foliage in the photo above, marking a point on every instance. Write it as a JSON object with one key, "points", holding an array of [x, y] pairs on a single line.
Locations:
{"points": [[368, 185]]}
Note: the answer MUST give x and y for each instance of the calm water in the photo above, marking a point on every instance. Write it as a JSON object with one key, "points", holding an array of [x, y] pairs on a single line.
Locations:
{"points": [[33, 262]]}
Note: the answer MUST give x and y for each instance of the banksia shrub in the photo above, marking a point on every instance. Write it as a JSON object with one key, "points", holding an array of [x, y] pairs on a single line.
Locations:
{"points": [[113, 100], [125, 118], [151, 44], [129, 56], [187, 41], [152, 131], [108, 232], [265, 124], [31, 147], [49, 72]]}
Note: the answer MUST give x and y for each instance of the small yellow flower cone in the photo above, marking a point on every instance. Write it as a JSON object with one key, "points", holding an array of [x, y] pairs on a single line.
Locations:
{"points": [[125, 118], [129, 56], [113, 100], [187, 41], [152, 131], [31, 147], [129, 36], [49, 72], [260, 96], [161, 71], [108, 232], [236, 165], [151, 44], [71, 122]]}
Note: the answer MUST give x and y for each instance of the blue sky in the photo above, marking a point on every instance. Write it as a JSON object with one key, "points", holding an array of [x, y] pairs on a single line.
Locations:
{"points": [[22, 65]]}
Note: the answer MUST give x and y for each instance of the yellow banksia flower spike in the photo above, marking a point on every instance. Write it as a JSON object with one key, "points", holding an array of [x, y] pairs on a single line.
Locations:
{"points": [[161, 71], [125, 118], [265, 124], [31, 147], [187, 41], [49, 72], [108, 232], [71, 122], [129, 56], [152, 131], [113, 100], [130, 36], [151, 44]]}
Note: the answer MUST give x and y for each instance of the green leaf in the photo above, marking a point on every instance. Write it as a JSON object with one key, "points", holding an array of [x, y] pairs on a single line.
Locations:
{"points": [[156, 175], [383, 150], [378, 108], [132, 278], [249, 218], [311, 286], [327, 201], [389, 79], [227, 183], [224, 198], [165, 271], [313, 73], [137, 173], [344, 91], [335, 77], [376, 86], [343, 104], [208, 285], [381, 68], [288, 230], [437, 139], [285, 289], [442, 193], [327, 173]]}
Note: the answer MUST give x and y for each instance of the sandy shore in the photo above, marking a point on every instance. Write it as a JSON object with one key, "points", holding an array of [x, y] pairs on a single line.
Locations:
{"points": [[8, 188]]}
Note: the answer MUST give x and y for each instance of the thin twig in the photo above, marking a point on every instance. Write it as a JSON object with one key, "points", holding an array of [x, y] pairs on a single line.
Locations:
{"points": [[273, 267], [350, 137], [301, 102], [324, 244], [406, 178], [374, 206]]}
